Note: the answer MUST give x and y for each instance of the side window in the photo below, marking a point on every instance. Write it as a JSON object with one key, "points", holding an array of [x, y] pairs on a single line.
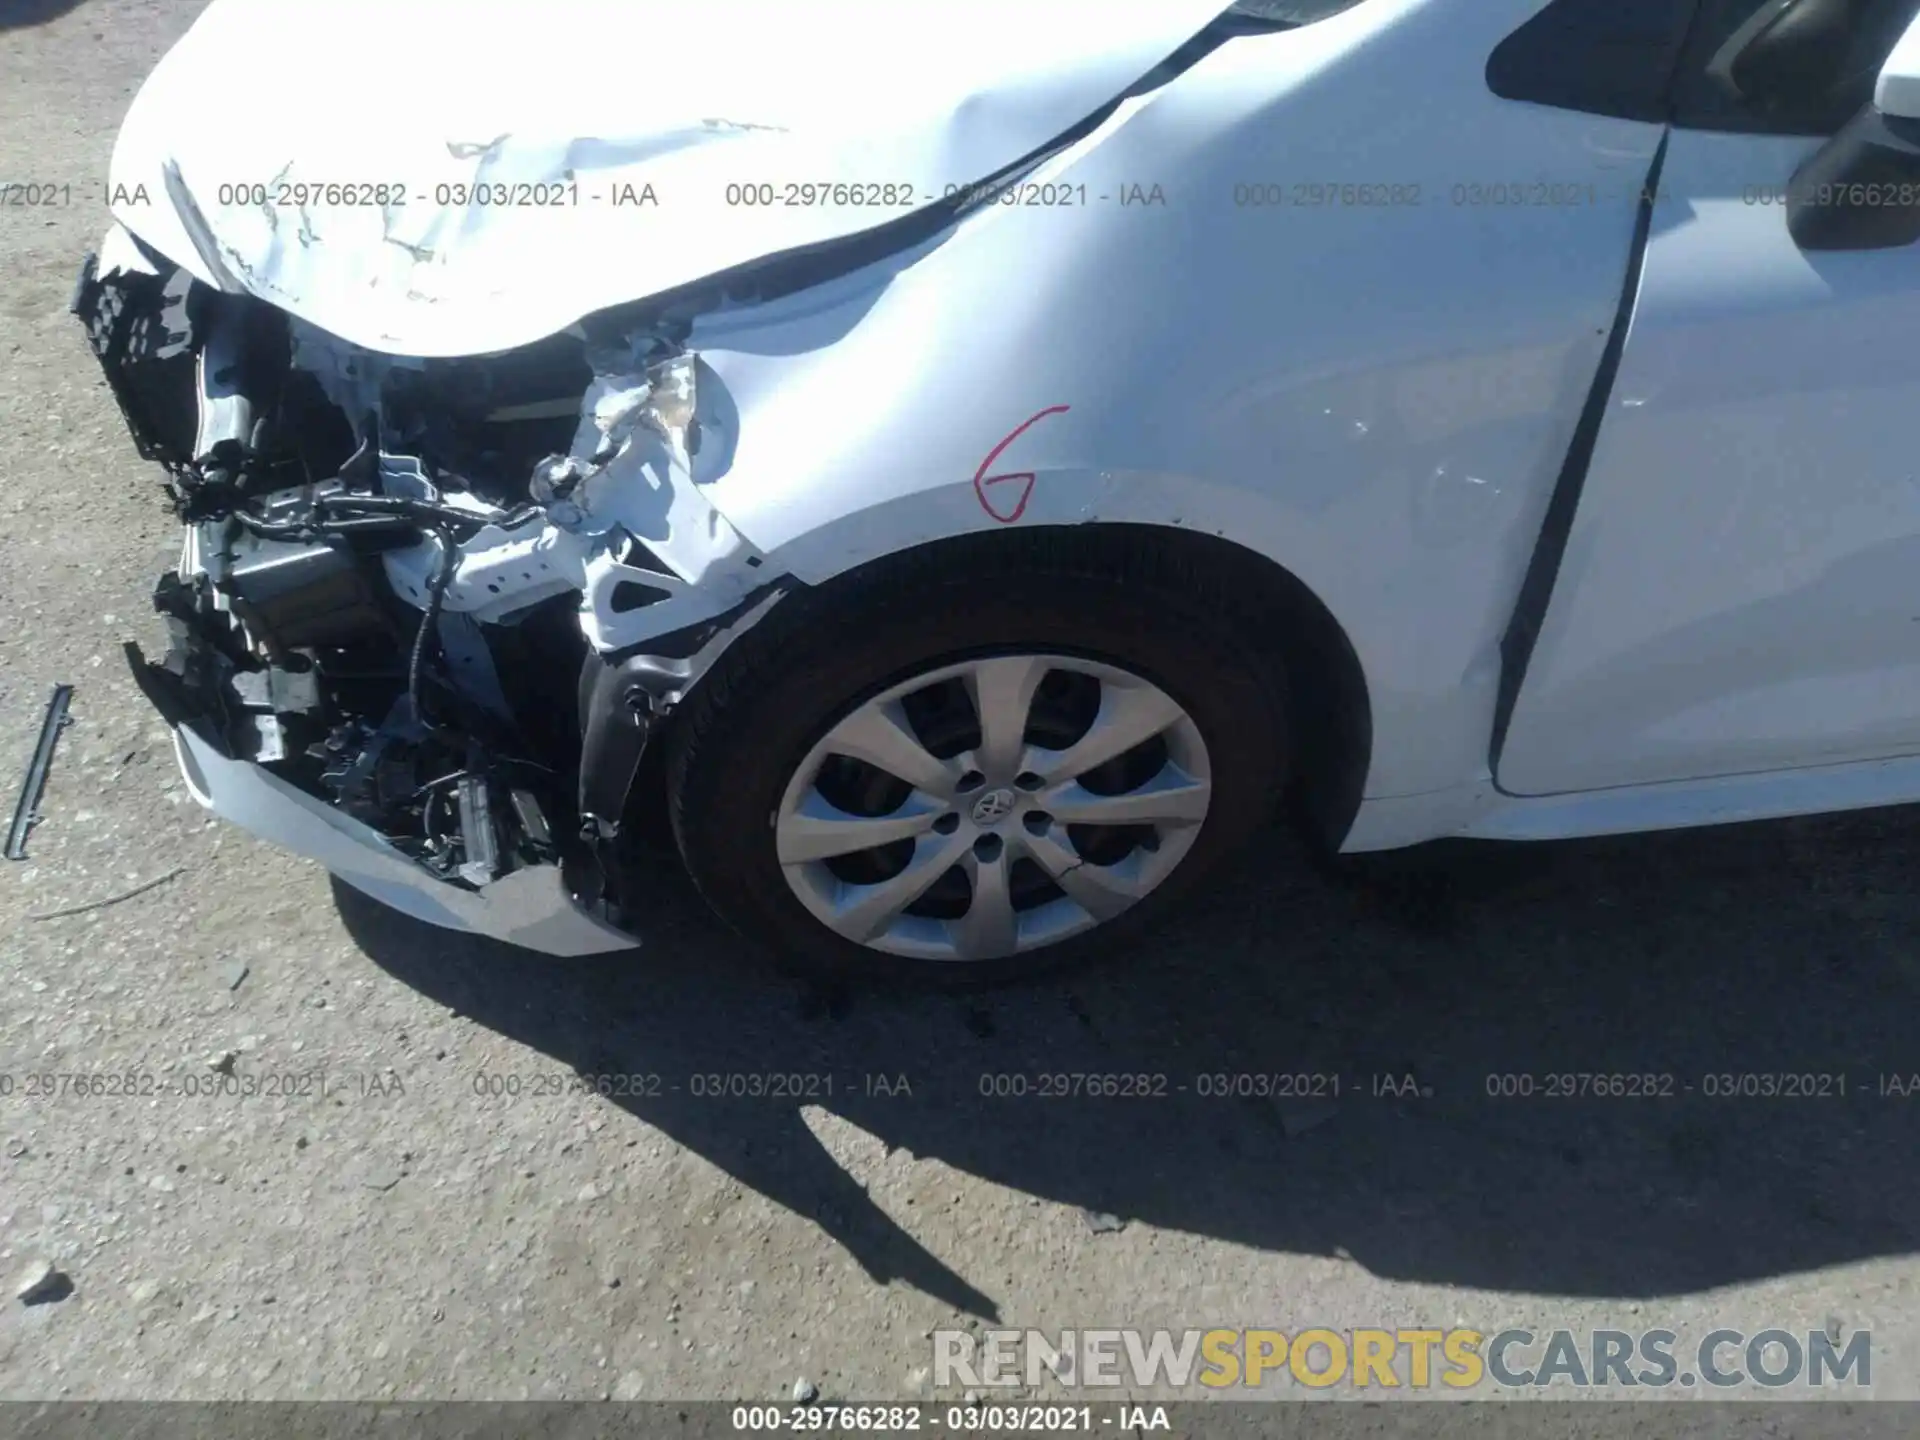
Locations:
{"points": [[1785, 67], [1606, 57]]}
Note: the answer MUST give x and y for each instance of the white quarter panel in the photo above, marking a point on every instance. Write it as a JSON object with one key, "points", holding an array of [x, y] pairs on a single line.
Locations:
{"points": [[1741, 587], [1375, 395]]}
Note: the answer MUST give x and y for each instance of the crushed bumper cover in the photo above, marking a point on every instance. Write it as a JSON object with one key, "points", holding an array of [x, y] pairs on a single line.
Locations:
{"points": [[530, 907]]}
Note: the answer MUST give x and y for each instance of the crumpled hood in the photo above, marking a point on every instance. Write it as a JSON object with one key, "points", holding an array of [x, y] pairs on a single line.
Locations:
{"points": [[605, 134]]}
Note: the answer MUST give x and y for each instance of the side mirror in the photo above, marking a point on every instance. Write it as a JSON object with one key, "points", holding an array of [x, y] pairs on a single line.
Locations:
{"points": [[1787, 51], [1861, 190], [1897, 92]]}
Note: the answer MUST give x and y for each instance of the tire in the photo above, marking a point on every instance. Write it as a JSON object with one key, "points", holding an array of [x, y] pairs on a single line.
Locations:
{"points": [[1126, 611]]}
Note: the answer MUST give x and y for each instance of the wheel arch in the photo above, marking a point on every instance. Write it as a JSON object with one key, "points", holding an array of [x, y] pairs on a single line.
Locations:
{"points": [[1327, 706]]}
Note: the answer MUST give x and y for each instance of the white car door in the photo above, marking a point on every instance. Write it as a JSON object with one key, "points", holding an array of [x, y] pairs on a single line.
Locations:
{"points": [[1740, 584]]}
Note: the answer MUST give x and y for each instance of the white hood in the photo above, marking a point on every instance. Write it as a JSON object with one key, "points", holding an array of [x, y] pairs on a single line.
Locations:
{"points": [[609, 96]]}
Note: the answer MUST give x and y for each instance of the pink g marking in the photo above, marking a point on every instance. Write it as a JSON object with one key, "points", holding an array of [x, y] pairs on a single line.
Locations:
{"points": [[981, 480]]}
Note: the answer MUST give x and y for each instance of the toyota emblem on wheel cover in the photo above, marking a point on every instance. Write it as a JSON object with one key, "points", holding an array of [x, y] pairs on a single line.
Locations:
{"points": [[993, 807]]}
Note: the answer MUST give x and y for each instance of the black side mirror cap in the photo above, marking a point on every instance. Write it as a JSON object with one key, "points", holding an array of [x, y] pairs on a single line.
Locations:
{"points": [[1861, 190]]}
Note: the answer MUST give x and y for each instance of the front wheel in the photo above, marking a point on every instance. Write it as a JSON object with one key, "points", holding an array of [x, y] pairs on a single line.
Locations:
{"points": [[973, 772]]}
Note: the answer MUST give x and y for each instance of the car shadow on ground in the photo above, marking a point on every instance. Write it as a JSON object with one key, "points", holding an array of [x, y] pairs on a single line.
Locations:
{"points": [[20, 14], [1753, 950]]}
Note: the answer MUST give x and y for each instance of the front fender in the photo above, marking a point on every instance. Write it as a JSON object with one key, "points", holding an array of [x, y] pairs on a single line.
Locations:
{"points": [[1376, 402]]}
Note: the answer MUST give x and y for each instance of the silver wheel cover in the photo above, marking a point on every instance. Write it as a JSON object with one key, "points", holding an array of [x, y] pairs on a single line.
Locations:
{"points": [[987, 809]]}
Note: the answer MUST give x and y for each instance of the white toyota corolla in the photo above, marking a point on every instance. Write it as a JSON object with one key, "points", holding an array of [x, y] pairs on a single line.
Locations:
{"points": [[991, 453]]}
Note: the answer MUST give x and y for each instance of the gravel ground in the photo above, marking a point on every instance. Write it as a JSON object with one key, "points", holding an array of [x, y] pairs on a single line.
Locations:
{"points": [[396, 1234]]}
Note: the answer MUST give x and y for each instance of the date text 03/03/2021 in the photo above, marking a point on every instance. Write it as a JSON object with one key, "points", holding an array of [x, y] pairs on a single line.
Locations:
{"points": [[975, 1418]]}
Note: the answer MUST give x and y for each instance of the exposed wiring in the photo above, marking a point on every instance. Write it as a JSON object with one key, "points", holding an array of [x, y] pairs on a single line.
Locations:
{"points": [[430, 619], [436, 783], [350, 514], [358, 514], [425, 510], [345, 515], [504, 762]]}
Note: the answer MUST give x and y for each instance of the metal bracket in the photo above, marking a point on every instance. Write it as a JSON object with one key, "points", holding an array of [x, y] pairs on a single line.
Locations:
{"points": [[27, 813]]}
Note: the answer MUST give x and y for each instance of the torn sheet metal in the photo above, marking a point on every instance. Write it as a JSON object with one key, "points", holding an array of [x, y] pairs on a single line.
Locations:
{"points": [[622, 520], [520, 166]]}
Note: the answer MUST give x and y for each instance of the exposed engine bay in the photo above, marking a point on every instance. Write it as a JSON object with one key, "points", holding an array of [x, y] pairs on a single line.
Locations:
{"points": [[449, 598], [443, 462]]}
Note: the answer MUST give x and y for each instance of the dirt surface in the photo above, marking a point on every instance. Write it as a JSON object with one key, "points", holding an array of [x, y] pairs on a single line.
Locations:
{"points": [[385, 1230]]}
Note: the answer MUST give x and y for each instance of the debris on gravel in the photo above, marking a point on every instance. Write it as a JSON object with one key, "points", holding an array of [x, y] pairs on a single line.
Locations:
{"points": [[43, 1283]]}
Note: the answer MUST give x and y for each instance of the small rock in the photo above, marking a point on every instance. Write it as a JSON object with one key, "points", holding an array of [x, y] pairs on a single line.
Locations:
{"points": [[1833, 1328], [1101, 1223], [16, 1148], [382, 1178], [43, 1284], [972, 1399], [613, 1282], [632, 1385], [234, 974], [221, 1061], [805, 1392], [160, 1183]]}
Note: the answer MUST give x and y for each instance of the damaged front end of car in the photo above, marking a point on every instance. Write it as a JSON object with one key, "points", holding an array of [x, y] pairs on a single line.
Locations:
{"points": [[428, 611]]}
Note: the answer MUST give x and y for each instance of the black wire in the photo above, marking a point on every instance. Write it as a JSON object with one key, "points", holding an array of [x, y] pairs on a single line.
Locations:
{"points": [[424, 510], [430, 619], [439, 520], [274, 529], [435, 784], [373, 510]]}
